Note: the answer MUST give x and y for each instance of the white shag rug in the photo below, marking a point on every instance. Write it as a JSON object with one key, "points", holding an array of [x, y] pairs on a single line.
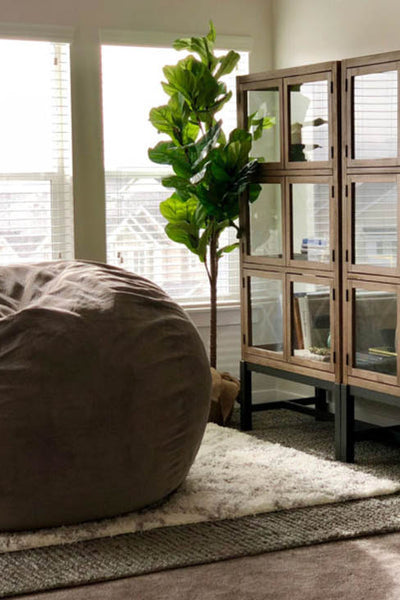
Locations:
{"points": [[233, 475]]}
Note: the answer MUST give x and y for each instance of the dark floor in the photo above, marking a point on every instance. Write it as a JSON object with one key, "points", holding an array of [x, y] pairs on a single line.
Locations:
{"points": [[364, 569]]}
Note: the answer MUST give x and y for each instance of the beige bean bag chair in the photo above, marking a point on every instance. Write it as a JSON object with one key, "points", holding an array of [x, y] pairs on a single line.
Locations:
{"points": [[104, 393]]}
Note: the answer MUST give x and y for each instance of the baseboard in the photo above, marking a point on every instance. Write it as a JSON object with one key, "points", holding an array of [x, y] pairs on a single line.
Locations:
{"points": [[272, 395]]}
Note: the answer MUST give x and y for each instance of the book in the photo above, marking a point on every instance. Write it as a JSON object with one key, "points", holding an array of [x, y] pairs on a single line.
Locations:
{"points": [[305, 318], [297, 326], [383, 351]]}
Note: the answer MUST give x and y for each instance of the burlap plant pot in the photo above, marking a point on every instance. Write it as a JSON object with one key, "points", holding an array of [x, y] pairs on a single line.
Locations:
{"points": [[224, 391]]}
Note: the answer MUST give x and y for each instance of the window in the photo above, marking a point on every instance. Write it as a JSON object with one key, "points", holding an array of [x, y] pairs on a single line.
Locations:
{"points": [[36, 215], [135, 228]]}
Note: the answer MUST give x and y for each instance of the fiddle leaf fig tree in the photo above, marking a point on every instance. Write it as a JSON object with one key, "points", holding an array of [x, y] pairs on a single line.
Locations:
{"points": [[210, 169]]}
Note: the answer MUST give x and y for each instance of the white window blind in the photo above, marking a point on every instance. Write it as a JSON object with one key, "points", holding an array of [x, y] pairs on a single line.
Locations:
{"points": [[375, 203], [36, 208], [135, 228]]}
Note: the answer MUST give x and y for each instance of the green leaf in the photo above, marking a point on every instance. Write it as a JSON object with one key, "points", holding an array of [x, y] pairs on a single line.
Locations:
{"points": [[161, 119], [174, 209], [227, 63], [253, 191], [240, 135], [200, 215], [193, 81], [168, 153], [258, 125], [183, 234], [219, 172], [269, 122], [227, 249], [174, 181], [183, 186], [211, 36], [161, 154], [203, 46], [200, 150]]}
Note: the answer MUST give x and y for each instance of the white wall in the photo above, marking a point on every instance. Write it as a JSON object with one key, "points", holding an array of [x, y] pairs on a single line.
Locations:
{"points": [[310, 31]]}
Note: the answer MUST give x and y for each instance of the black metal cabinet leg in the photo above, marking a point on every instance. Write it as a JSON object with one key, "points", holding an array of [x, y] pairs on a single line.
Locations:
{"points": [[246, 423], [321, 405], [344, 424], [338, 421], [347, 426]]}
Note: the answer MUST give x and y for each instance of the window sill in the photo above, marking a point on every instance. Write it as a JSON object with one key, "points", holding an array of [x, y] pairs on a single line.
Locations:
{"points": [[227, 314]]}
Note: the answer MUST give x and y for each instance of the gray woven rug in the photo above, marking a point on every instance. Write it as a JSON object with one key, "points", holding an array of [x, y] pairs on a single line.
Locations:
{"points": [[140, 553]]}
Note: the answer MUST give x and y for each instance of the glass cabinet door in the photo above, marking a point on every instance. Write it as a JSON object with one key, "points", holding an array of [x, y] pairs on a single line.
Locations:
{"points": [[266, 313], [263, 115], [310, 221], [374, 118], [374, 217], [311, 338], [375, 330], [309, 113], [265, 223]]}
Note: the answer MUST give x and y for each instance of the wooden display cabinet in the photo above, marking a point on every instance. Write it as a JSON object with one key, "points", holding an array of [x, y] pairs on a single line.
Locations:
{"points": [[320, 255], [371, 262], [290, 251]]}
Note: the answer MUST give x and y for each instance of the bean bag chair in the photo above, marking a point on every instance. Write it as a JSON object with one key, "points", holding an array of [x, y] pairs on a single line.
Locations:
{"points": [[104, 393]]}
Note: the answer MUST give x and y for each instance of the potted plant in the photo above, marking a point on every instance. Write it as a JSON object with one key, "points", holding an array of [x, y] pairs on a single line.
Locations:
{"points": [[210, 169]]}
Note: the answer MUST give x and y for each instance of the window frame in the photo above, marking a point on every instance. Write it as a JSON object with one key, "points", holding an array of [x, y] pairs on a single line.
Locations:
{"points": [[110, 37], [59, 227]]}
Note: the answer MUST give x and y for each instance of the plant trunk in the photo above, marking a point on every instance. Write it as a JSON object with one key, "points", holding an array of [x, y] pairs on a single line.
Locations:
{"points": [[213, 299]]}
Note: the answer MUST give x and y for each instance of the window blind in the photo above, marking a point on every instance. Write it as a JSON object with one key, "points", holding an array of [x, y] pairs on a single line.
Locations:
{"points": [[36, 207], [135, 228]]}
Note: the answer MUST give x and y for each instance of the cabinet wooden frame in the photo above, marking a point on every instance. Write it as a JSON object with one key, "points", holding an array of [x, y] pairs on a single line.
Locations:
{"points": [[287, 173], [351, 69], [355, 357], [374, 278], [290, 318], [332, 149], [283, 360], [287, 260], [245, 220], [352, 373], [282, 78], [247, 341], [333, 220], [349, 219]]}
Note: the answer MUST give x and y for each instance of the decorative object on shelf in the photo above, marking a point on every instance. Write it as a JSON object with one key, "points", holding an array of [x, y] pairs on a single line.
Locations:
{"points": [[211, 170]]}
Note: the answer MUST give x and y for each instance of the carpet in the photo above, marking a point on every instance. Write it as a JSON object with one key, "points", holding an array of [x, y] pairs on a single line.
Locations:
{"points": [[187, 544], [234, 475]]}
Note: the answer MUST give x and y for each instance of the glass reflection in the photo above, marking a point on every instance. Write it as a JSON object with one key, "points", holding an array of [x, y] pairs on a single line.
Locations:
{"points": [[266, 313], [375, 223], [310, 213], [266, 222], [375, 115], [264, 105], [375, 331], [309, 115], [311, 327]]}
